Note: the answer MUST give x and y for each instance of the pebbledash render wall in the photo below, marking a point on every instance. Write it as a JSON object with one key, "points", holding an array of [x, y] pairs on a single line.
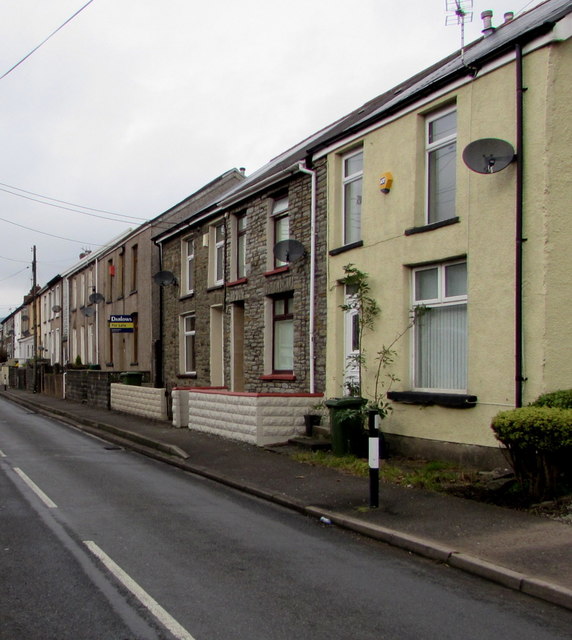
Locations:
{"points": [[259, 419], [140, 401]]}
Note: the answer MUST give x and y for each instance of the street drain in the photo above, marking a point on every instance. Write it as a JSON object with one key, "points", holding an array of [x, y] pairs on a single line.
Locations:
{"points": [[113, 447]]}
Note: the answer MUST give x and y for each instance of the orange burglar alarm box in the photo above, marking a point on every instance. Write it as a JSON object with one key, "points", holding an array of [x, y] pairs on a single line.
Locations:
{"points": [[385, 182]]}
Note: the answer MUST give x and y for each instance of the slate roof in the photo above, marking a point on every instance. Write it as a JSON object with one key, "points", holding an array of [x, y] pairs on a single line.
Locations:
{"points": [[522, 29]]}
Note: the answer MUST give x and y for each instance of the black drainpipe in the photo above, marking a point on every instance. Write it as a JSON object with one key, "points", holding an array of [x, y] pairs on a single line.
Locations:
{"points": [[519, 379]]}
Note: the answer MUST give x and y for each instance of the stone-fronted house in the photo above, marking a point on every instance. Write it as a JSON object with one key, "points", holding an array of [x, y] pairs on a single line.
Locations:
{"points": [[476, 262], [247, 322]]}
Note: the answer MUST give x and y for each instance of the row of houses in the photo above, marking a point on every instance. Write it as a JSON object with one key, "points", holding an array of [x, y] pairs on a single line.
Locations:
{"points": [[449, 191]]}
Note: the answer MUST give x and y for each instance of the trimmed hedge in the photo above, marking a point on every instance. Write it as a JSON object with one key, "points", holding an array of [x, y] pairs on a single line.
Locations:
{"points": [[539, 427], [539, 443], [558, 399]]}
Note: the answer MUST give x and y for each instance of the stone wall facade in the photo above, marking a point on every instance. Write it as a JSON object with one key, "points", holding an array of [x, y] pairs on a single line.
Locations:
{"points": [[87, 386], [250, 296]]}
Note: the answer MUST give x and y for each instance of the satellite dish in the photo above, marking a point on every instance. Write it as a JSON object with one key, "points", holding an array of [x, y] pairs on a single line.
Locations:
{"points": [[164, 278], [488, 155], [289, 250], [96, 298], [56, 308], [88, 312]]}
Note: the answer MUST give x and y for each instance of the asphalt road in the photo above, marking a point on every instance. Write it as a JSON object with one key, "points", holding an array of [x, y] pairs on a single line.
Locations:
{"points": [[100, 542]]}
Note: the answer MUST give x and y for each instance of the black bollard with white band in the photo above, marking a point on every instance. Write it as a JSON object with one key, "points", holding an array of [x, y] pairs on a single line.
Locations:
{"points": [[373, 427]]}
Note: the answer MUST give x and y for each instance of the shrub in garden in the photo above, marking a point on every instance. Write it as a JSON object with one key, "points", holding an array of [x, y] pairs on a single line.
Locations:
{"points": [[539, 443], [557, 399]]}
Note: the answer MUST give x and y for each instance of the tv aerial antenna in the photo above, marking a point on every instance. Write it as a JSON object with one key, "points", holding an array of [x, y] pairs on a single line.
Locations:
{"points": [[459, 12]]}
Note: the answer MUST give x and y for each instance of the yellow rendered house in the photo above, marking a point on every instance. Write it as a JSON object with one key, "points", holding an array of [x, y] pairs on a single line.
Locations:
{"points": [[452, 193]]}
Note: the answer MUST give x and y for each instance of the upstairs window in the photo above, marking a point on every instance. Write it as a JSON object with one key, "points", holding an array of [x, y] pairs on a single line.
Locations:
{"points": [[280, 221], [440, 332], [238, 268], [352, 182], [219, 253], [188, 276], [441, 159], [134, 266]]}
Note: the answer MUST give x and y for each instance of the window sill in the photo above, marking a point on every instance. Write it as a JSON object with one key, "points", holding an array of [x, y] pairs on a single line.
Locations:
{"points": [[133, 292], [346, 247], [276, 271], [427, 398], [235, 283], [109, 364], [289, 377], [215, 287], [430, 227], [186, 296]]}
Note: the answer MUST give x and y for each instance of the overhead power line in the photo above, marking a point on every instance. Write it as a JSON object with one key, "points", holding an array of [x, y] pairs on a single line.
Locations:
{"points": [[45, 40], [71, 204], [72, 208], [44, 233]]}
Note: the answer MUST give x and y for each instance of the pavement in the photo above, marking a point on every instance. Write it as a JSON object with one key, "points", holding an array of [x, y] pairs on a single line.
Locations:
{"points": [[520, 551]]}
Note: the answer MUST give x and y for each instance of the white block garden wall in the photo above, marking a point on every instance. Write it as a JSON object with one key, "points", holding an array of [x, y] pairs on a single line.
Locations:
{"points": [[140, 401], [256, 418]]}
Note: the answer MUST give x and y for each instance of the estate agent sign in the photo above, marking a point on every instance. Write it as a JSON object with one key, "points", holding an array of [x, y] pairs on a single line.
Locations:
{"points": [[121, 324]]}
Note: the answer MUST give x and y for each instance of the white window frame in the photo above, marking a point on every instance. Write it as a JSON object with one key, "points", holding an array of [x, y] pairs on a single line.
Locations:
{"points": [[439, 302], [239, 258], [430, 149], [279, 217], [351, 334], [188, 261], [347, 179], [188, 332], [278, 320], [218, 252]]}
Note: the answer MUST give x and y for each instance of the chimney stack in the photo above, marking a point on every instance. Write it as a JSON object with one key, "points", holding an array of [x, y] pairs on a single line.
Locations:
{"points": [[487, 18], [508, 16]]}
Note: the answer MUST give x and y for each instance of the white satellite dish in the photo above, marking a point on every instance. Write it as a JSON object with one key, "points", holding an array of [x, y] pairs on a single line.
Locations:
{"points": [[164, 278], [488, 155], [289, 250]]}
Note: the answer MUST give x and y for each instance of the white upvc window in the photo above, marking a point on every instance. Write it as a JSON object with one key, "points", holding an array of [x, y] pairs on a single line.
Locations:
{"points": [[188, 276], [440, 331], [280, 221], [283, 334], [188, 351], [351, 341], [352, 184], [440, 163], [219, 253], [240, 256]]}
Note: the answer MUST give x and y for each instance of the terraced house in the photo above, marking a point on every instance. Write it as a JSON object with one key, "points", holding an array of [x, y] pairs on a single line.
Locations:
{"points": [[247, 320], [450, 192]]}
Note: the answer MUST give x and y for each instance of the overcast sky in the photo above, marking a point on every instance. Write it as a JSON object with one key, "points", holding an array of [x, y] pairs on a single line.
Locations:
{"points": [[136, 104]]}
